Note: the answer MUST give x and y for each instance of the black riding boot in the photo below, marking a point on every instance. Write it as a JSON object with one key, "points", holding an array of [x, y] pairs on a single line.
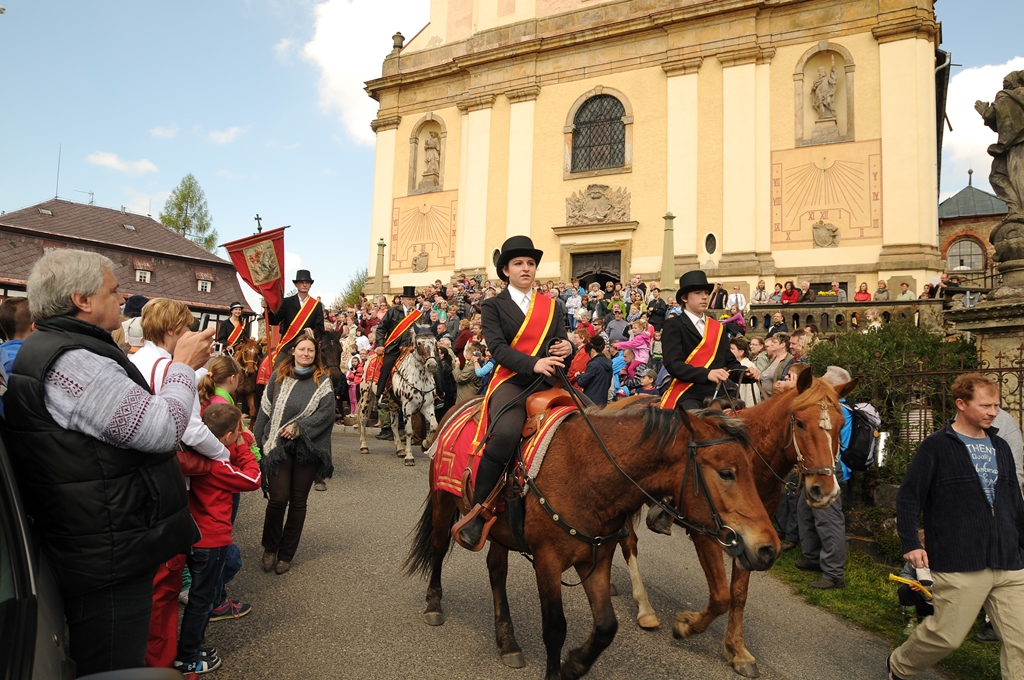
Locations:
{"points": [[487, 475]]}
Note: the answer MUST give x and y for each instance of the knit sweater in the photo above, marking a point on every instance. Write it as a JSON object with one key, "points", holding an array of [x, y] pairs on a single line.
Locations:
{"points": [[303, 401], [964, 532]]}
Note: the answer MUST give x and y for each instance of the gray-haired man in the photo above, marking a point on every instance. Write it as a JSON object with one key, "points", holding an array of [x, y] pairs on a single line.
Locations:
{"points": [[94, 455]]}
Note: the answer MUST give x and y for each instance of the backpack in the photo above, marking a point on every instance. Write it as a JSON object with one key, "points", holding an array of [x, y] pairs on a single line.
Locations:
{"points": [[862, 452]]}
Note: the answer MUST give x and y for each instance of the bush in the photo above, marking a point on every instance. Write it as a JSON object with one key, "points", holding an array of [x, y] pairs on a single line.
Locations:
{"points": [[905, 371]]}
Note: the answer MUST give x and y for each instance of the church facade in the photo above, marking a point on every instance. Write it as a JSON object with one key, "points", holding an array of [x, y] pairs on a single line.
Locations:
{"points": [[791, 139]]}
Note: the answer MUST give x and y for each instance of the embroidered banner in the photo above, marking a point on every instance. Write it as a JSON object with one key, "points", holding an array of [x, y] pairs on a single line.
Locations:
{"points": [[259, 260], [702, 355]]}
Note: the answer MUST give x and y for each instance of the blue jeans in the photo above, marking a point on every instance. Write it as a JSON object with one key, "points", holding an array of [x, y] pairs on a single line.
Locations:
{"points": [[207, 567], [233, 564], [108, 629]]}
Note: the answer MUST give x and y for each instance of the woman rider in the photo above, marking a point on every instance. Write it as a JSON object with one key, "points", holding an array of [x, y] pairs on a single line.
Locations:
{"points": [[526, 340], [229, 334]]}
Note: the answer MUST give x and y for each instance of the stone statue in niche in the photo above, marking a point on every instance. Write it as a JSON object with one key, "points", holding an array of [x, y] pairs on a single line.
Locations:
{"points": [[431, 162], [598, 204], [420, 262], [823, 92], [1005, 115], [826, 235]]}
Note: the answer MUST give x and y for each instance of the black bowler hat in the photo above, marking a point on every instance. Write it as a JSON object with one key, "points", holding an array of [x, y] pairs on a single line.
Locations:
{"points": [[302, 276], [133, 305], [516, 246], [408, 291], [691, 281]]}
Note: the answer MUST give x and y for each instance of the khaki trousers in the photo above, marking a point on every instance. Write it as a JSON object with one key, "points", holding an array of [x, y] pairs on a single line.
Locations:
{"points": [[958, 598]]}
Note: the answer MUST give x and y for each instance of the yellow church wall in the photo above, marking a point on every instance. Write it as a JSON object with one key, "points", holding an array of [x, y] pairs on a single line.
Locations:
{"points": [[497, 189], [710, 140]]}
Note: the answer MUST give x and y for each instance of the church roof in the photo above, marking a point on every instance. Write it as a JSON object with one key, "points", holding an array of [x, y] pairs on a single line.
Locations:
{"points": [[971, 202]]}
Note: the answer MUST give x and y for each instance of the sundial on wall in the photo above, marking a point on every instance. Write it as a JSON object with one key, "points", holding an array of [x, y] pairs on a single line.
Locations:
{"points": [[423, 231], [837, 187]]}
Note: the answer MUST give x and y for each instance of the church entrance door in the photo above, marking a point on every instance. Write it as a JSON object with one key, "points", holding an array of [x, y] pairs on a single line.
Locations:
{"points": [[599, 267]]}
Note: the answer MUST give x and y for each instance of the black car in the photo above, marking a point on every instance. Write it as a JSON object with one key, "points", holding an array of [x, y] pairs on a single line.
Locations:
{"points": [[32, 633]]}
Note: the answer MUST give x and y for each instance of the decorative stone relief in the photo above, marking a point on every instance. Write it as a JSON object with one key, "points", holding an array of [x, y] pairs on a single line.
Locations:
{"points": [[598, 204], [826, 235], [421, 262]]}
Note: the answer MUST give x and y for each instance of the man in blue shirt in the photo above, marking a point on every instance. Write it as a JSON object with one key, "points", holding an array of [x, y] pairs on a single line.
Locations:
{"points": [[963, 481], [16, 324], [823, 532]]}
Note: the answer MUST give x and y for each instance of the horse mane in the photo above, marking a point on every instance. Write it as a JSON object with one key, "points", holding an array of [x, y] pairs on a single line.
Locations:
{"points": [[818, 391], [662, 425]]}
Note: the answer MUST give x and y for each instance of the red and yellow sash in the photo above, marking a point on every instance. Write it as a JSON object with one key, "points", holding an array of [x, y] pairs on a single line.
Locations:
{"points": [[403, 325], [236, 334], [702, 355], [529, 340], [296, 326]]}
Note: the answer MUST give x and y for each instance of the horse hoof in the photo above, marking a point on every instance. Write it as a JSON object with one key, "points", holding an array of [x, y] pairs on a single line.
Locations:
{"points": [[612, 590], [363, 449], [400, 453], [513, 660], [648, 621], [433, 618], [747, 670], [409, 462], [681, 630]]}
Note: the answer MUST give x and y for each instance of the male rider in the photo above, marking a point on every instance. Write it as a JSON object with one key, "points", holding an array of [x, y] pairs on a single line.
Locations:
{"points": [[393, 334]]}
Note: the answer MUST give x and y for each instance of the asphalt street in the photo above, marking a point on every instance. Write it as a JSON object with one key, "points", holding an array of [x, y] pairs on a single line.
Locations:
{"points": [[346, 610]]}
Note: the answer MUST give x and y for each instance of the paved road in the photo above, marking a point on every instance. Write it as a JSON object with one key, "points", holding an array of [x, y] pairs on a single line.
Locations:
{"points": [[345, 610]]}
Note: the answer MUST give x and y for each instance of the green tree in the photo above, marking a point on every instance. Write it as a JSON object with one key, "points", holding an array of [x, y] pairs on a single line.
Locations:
{"points": [[186, 213], [353, 289]]}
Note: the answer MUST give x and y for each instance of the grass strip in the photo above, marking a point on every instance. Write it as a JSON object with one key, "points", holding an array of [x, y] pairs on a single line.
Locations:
{"points": [[869, 600]]}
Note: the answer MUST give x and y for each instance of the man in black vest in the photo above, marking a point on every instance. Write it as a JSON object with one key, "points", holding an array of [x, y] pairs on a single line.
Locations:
{"points": [[290, 308], [503, 316], [94, 455], [681, 335], [392, 318]]}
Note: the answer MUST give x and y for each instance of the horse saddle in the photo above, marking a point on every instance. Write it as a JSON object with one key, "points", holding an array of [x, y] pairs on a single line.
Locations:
{"points": [[539, 405]]}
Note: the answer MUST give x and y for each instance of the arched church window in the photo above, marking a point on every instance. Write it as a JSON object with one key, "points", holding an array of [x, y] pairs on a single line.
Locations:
{"points": [[965, 255], [599, 134]]}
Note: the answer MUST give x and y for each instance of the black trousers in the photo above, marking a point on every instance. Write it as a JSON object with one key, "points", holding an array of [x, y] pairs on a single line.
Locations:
{"points": [[289, 490], [386, 367], [504, 439]]}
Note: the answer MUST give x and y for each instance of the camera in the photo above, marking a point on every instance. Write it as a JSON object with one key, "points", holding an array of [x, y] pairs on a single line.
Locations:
{"points": [[476, 354], [218, 348]]}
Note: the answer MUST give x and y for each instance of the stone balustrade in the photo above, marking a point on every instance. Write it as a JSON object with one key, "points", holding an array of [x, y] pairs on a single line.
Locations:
{"points": [[833, 317]]}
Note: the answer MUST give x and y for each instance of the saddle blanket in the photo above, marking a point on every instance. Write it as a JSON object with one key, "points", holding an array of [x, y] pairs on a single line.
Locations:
{"points": [[452, 450]]}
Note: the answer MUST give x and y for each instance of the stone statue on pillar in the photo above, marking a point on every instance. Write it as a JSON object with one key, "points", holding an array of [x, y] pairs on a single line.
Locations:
{"points": [[1005, 115], [823, 93], [432, 162]]}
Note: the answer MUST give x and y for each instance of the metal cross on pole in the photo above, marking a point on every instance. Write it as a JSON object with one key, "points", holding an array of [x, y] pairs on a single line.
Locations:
{"points": [[259, 223]]}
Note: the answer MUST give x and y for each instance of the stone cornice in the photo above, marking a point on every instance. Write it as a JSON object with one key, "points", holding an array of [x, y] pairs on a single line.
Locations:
{"points": [[385, 123], [922, 29], [682, 67], [746, 54], [475, 102], [523, 94], [567, 230]]}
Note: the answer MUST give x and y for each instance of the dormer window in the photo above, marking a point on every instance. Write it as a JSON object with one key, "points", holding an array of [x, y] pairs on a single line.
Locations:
{"points": [[205, 286], [142, 276]]}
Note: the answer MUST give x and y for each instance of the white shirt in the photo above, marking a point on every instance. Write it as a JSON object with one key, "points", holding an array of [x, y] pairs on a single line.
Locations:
{"points": [[738, 299], [197, 435], [520, 298], [698, 321]]}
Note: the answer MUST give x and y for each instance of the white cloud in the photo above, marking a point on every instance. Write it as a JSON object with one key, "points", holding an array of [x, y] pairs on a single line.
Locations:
{"points": [[965, 147], [165, 132], [226, 136], [349, 44], [110, 160], [283, 49], [146, 204], [292, 263]]}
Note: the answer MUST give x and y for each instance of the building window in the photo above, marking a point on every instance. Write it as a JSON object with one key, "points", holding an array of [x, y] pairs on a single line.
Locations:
{"points": [[710, 244], [965, 255], [142, 276], [599, 135], [205, 286]]}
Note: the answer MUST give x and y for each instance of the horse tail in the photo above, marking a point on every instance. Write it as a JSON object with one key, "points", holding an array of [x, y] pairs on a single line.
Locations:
{"points": [[421, 554]]}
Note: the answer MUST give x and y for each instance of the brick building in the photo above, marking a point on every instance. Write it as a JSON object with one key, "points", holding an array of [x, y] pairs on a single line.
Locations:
{"points": [[965, 221], [149, 259]]}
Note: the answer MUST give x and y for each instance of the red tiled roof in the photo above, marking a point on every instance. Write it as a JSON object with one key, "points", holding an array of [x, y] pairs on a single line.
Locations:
{"points": [[106, 226]]}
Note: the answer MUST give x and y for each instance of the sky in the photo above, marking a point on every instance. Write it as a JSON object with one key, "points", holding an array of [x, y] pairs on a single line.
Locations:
{"points": [[263, 101]]}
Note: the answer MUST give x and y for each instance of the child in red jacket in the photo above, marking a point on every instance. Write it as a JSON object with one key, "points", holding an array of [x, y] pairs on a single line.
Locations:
{"points": [[209, 501]]}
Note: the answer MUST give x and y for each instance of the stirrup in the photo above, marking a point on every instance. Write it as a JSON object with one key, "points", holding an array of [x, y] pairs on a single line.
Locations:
{"points": [[478, 512]]}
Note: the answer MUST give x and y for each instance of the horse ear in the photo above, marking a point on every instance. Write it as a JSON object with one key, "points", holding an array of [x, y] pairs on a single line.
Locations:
{"points": [[804, 380], [685, 416], [844, 390]]}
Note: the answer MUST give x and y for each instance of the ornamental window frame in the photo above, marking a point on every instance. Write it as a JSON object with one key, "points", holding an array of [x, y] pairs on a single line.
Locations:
{"points": [[981, 254], [570, 127]]}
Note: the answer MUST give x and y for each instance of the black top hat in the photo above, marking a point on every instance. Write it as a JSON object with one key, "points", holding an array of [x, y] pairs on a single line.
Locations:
{"points": [[516, 246], [302, 276], [690, 281], [408, 291], [133, 305], [236, 305]]}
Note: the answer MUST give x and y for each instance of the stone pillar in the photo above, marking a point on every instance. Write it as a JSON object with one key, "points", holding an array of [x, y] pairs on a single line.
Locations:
{"points": [[681, 175], [519, 199], [763, 167], [739, 163], [383, 186], [471, 222], [668, 269], [906, 55]]}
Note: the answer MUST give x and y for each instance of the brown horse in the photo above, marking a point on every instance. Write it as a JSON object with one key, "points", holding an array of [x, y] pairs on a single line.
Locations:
{"points": [[248, 354], [591, 496], [799, 427]]}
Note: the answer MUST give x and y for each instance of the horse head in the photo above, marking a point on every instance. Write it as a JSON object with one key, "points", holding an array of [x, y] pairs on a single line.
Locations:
{"points": [[247, 353], [716, 489], [426, 351], [815, 421]]}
